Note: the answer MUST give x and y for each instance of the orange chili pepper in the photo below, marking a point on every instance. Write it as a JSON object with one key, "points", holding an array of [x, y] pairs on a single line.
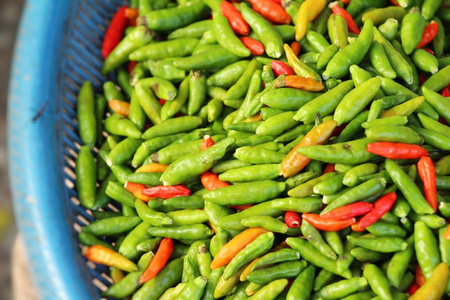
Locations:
{"points": [[427, 173], [239, 242], [356, 228], [420, 279], [272, 11], [237, 22], [159, 261], [136, 189], [294, 162], [132, 13], [345, 2], [207, 142], [447, 233], [255, 47], [211, 181], [105, 256], [166, 192], [120, 107], [152, 168], [296, 48], [328, 224], [298, 82]]}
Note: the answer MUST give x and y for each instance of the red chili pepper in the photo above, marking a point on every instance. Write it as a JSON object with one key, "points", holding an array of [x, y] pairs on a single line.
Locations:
{"points": [[160, 259], [235, 18], [427, 173], [381, 206], [394, 2], [207, 142], [292, 219], [272, 11], [131, 65], [397, 150], [329, 169], [429, 51], [349, 211], [255, 47], [136, 189], [162, 101], [296, 48], [419, 279], [446, 91], [241, 207], [431, 30], [337, 10], [280, 68], [442, 121], [356, 228], [345, 2], [412, 288], [166, 192], [328, 224], [422, 79], [113, 34], [277, 1], [211, 181]]}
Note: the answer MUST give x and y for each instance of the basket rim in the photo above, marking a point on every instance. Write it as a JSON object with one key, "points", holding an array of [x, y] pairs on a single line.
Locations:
{"points": [[56, 267]]}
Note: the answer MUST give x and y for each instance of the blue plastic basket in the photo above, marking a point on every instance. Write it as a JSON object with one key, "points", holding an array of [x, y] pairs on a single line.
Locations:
{"points": [[58, 47]]}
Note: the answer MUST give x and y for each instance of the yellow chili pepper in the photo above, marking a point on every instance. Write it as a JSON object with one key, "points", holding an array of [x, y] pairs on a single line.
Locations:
{"points": [[434, 287], [152, 168], [105, 256], [298, 82], [309, 10], [294, 162]]}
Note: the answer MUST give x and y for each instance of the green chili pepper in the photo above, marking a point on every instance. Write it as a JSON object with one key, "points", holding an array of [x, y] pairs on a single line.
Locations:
{"points": [[401, 207], [249, 80], [439, 40], [426, 247], [86, 113], [195, 164], [356, 100], [350, 54], [264, 31], [317, 41], [283, 270], [215, 58], [88, 239], [226, 37], [413, 25], [364, 190], [271, 290], [213, 280], [288, 98], [266, 222], [380, 244], [227, 165], [399, 263], [329, 186], [194, 30], [337, 30], [437, 101], [191, 232], [167, 277], [301, 205], [389, 133], [282, 255], [238, 194], [307, 188], [381, 15], [377, 281], [302, 285], [112, 226], [251, 173], [257, 155], [148, 245], [433, 138], [316, 240], [342, 288], [229, 75], [365, 255], [309, 253], [128, 248], [259, 246], [382, 228]]}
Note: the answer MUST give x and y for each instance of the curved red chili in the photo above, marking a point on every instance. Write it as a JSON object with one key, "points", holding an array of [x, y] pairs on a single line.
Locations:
{"points": [[431, 30], [328, 224], [113, 34], [381, 206], [255, 47], [280, 68], [166, 192], [427, 173], [337, 10], [237, 22], [349, 211], [397, 150]]}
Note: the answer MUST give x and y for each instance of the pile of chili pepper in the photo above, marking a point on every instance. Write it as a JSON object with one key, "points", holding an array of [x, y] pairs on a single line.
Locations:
{"points": [[270, 150]]}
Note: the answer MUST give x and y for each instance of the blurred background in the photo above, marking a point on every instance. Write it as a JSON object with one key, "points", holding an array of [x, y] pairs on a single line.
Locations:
{"points": [[10, 11]]}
